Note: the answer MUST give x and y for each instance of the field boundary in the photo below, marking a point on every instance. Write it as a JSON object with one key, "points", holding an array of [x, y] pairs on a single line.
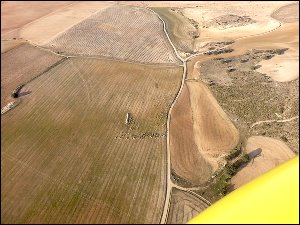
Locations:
{"points": [[169, 182], [105, 58]]}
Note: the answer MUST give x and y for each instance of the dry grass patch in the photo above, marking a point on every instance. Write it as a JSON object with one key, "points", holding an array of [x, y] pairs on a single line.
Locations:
{"points": [[63, 160], [181, 31], [250, 96]]}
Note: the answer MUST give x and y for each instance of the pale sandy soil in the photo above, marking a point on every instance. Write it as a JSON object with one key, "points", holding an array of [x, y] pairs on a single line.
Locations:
{"points": [[273, 153], [214, 133], [16, 14], [286, 36], [7, 45], [48, 27], [282, 68], [288, 13], [162, 3], [258, 11]]}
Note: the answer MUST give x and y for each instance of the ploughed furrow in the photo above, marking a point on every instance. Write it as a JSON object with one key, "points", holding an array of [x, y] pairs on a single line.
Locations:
{"points": [[69, 157], [184, 206], [106, 33], [21, 64], [186, 160]]}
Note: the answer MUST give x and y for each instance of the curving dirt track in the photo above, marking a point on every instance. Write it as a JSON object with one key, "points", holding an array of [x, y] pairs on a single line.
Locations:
{"points": [[178, 28], [273, 39], [198, 130]]}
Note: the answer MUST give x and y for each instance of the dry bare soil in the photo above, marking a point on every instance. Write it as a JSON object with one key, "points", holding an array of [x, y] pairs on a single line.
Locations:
{"points": [[273, 153], [48, 27], [68, 156], [181, 31], [16, 14], [119, 32], [187, 160], [21, 64]]}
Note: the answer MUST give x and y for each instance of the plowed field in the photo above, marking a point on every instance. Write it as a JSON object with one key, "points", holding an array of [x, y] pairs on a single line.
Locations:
{"points": [[67, 154]]}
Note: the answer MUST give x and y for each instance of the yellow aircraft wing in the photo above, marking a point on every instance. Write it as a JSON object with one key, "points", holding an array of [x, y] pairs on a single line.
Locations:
{"points": [[271, 198]]}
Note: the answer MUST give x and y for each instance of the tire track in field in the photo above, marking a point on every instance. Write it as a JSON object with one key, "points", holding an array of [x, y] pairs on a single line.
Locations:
{"points": [[59, 183], [271, 121]]}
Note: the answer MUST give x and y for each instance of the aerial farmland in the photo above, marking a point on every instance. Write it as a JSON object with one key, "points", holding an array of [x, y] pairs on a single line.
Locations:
{"points": [[140, 111]]}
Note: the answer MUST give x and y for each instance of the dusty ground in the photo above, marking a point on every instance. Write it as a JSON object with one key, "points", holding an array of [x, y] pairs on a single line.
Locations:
{"points": [[215, 135], [288, 13], [19, 65], [146, 41], [284, 68], [251, 86], [273, 153], [71, 124], [88, 171], [43, 30], [283, 37], [256, 11], [200, 134], [186, 159], [162, 3], [221, 21], [182, 32], [9, 44], [271, 100], [13, 20]]}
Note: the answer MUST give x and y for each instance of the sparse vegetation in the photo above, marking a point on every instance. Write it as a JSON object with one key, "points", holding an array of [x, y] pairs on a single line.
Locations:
{"points": [[255, 95], [139, 45], [228, 21], [183, 37], [113, 131], [81, 104], [222, 183]]}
